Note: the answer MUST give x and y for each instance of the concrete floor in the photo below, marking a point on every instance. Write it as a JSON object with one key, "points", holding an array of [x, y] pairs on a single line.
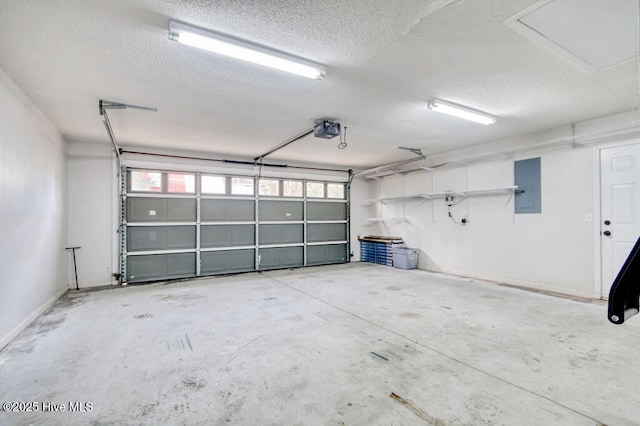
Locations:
{"points": [[299, 348]]}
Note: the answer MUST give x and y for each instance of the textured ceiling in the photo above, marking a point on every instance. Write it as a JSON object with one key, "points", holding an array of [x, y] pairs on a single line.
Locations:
{"points": [[384, 60]]}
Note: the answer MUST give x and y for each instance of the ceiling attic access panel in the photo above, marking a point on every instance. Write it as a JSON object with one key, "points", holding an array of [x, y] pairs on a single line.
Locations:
{"points": [[593, 34]]}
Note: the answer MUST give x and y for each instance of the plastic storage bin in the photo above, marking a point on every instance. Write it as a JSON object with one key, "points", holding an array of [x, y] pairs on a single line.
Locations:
{"points": [[377, 249], [405, 258]]}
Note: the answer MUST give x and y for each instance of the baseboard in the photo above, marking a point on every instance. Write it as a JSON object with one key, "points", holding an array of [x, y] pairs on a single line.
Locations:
{"points": [[85, 286], [4, 341], [526, 286]]}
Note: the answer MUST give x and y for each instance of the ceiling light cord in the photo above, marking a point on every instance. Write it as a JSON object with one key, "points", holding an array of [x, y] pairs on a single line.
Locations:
{"points": [[343, 139]]}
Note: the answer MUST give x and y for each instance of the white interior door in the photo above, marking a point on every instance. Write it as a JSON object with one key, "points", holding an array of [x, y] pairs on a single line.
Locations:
{"points": [[620, 208]]}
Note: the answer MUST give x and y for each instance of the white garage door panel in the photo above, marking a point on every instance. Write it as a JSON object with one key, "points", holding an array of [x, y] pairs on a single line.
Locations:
{"points": [[146, 238], [221, 262], [227, 210], [161, 266], [216, 236], [323, 254], [147, 209]]}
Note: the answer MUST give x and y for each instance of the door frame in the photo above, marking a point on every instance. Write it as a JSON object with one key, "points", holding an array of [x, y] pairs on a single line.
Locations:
{"points": [[597, 210]]}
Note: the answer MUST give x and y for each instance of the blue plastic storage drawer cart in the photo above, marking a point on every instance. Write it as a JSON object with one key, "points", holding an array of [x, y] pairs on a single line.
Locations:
{"points": [[379, 249]]}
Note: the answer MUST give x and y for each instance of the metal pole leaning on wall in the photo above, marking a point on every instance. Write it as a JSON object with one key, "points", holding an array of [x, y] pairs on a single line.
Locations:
{"points": [[75, 267]]}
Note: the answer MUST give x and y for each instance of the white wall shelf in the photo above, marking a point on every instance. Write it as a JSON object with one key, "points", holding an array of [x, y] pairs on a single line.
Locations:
{"points": [[378, 203], [384, 199], [435, 195], [389, 172], [472, 192], [385, 219]]}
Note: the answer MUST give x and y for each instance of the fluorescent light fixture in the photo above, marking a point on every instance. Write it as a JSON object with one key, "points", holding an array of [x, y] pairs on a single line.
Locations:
{"points": [[243, 50], [461, 111]]}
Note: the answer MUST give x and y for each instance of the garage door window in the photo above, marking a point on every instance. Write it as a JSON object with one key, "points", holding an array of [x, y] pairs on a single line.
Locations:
{"points": [[270, 187], [214, 184], [181, 183], [335, 190], [242, 186], [315, 189], [292, 188], [146, 181]]}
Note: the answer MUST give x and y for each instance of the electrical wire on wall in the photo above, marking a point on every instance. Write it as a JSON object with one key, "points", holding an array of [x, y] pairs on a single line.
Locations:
{"points": [[462, 222], [449, 200], [343, 139]]}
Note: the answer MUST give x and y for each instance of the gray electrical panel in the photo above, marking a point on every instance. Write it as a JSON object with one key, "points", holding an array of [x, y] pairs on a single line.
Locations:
{"points": [[527, 177]]}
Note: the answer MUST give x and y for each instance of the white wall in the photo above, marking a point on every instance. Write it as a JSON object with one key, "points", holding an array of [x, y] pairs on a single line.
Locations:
{"points": [[92, 212], [32, 218], [556, 250]]}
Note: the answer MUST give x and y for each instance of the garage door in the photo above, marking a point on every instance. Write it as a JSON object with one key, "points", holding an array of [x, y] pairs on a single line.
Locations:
{"points": [[179, 224]]}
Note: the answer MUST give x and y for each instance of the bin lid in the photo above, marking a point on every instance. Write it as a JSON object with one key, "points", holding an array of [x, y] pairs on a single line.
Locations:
{"points": [[382, 239], [404, 250]]}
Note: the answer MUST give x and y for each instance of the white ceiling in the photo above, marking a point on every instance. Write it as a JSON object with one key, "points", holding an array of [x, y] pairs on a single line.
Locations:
{"points": [[384, 60]]}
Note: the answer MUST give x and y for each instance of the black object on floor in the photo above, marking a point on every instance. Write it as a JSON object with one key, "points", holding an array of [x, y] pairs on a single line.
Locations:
{"points": [[624, 297], [75, 268]]}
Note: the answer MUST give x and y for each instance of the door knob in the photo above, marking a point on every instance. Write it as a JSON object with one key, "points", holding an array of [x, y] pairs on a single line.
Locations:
{"points": [[607, 233], [607, 222]]}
